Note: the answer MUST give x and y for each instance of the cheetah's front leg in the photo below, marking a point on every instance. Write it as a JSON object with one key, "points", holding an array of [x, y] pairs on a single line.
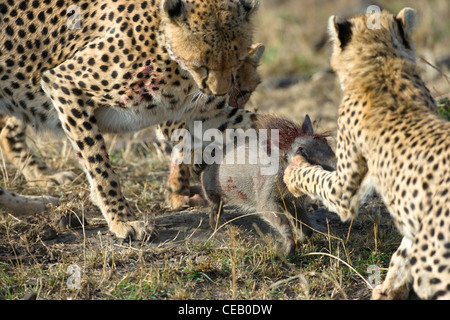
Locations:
{"points": [[303, 178], [339, 190], [397, 283], [76, 112]]}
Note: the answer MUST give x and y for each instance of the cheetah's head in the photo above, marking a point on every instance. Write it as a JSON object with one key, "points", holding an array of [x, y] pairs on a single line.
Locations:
{"points": [[210, 39], [247, 77], [369, 38]]}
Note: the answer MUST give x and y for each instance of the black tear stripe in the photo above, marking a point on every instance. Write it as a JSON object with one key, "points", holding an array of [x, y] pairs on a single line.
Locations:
{"points": [[204, 85]]}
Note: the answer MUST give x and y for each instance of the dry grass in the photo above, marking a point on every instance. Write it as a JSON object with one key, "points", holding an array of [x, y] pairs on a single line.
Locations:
{"points": [[230, 263], [239, 261]]}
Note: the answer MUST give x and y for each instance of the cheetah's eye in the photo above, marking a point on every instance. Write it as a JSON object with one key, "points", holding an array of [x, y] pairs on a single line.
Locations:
{"points": [[200, 69]]}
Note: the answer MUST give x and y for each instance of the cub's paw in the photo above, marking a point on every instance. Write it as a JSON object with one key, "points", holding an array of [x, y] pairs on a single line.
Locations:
{"points": [[377, 294], [300, 162], [401, 293], [290, 179]]}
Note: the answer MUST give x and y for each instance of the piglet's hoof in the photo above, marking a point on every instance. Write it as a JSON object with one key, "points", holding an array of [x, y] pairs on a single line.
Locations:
{"points": [[72, 221]]}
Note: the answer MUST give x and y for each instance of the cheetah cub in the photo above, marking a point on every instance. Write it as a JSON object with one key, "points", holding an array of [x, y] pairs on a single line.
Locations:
{"points": [[389, 138]]}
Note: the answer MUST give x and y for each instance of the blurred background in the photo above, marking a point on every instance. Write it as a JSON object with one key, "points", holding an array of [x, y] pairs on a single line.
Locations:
{"points": [[295, 68]]}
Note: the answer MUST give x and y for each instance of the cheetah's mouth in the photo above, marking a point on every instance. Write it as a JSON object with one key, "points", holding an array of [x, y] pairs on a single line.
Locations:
{"points": [[199, 97], [206, 91], [239, 100]]}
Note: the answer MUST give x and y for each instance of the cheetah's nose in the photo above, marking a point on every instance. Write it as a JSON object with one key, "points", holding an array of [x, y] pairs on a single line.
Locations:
{"points": [[220, 84], [210, 92]]}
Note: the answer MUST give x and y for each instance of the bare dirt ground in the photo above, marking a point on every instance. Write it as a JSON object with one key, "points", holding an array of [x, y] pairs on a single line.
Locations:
{"points": [[40, 256], [36, 255]]}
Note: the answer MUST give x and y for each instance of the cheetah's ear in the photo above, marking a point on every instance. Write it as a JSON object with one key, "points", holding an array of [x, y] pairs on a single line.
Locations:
{"points": [[250, 6], [307, 125], [256, 52], [174, 9], [408, 18], [407, 22], [340, 31]]}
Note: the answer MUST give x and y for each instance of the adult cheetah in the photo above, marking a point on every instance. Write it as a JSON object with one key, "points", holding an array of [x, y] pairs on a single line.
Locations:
{"points": [[87, 68], [179, 191], [36, 172], [389, 138]]}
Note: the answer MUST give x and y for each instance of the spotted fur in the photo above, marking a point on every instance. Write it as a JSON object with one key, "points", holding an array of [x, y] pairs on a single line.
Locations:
{"points": [[128, 65], [179, 191], [389, 138]]}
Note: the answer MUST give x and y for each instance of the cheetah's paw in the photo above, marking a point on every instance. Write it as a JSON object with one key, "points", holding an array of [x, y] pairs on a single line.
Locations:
{"points": [[136, 230], [289, 179]]}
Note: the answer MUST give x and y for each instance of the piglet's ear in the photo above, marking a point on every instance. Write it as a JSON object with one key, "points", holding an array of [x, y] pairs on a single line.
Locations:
{"points": [[256, 52], [307, 125], [407, 21]]}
